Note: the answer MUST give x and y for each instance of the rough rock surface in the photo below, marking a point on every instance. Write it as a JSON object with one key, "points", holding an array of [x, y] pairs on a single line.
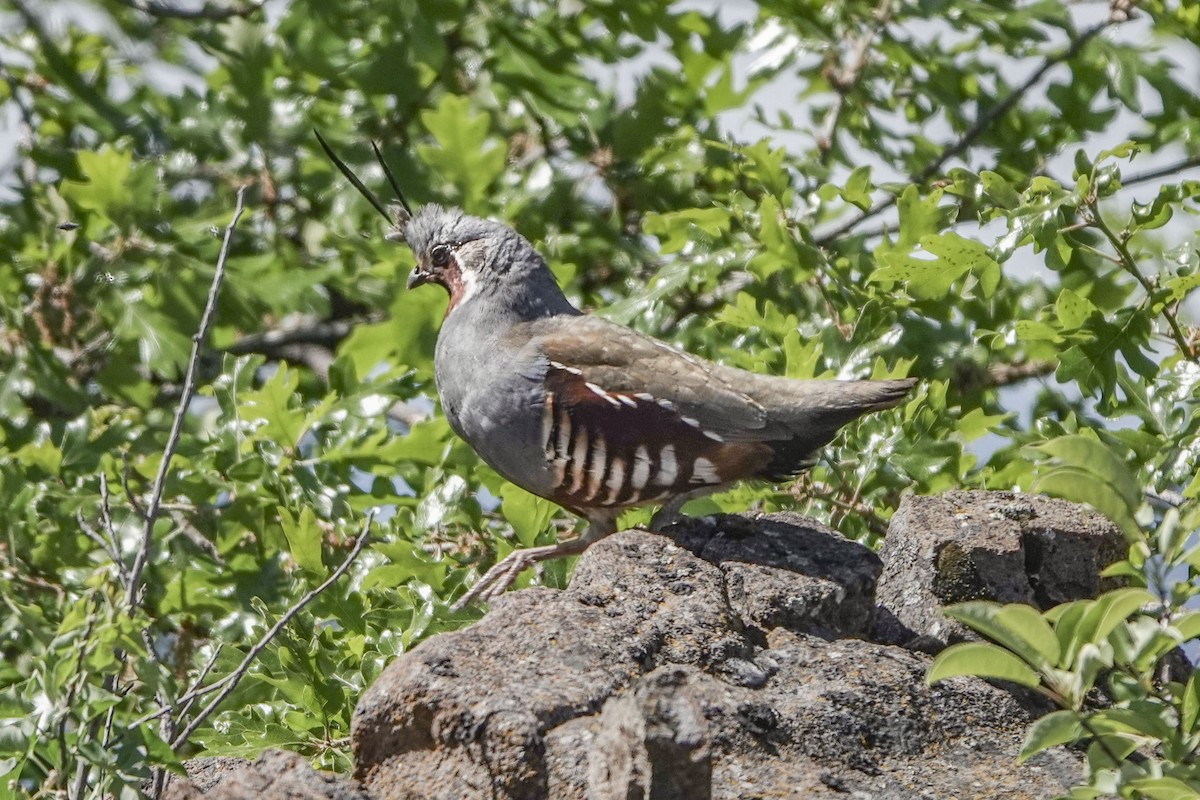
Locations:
{"points": [[702, 665], [972, 545], [275, 775]]}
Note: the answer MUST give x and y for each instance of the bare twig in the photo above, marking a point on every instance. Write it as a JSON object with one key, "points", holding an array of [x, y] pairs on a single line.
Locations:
{"points": [[230, 681], [133, 586], [200, 678], [306, 331], [1191, 162], [208, 11], [1006, 374], [968, 137], [848, 78]]}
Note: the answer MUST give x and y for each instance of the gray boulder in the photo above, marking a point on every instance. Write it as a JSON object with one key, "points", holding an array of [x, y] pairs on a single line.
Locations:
{"points": [[977, 545], [703, 664]]}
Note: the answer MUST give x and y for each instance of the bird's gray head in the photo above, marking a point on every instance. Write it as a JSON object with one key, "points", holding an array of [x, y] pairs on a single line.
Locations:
{"points": [[468, 256]]}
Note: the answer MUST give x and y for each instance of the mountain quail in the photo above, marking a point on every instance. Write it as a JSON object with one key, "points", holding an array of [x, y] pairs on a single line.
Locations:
{"points": [[588, 414]]}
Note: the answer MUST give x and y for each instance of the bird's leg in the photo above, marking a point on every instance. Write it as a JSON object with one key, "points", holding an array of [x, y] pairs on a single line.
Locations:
{"points": [[672, 510], [501, 576]]}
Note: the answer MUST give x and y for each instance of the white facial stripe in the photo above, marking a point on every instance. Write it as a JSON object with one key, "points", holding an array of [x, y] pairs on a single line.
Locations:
{"points": [[470, 284]]}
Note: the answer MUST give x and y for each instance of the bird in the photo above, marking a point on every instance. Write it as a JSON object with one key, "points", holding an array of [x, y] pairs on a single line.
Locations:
{"points": [[591, 415]]}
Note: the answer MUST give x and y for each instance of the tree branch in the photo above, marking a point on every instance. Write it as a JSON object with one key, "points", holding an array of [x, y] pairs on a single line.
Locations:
{"points": [[230, 681], [133, 586], [1190, 162], [208, 11], [1127, 263], [968, 137], [848, 78]]}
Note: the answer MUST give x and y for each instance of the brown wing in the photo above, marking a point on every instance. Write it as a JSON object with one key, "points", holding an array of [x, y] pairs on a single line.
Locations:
{"points": [[623, 360], [619, 448]]}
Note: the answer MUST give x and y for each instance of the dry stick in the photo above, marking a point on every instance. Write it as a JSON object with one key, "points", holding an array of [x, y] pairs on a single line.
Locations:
{"points": [[971, 134], [230, 681], [212, 660], [133, 587]]}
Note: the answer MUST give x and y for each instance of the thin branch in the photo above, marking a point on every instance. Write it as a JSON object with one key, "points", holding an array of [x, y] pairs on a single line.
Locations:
{"points": [[968, 137], [1190, 162], [325, 334], [848, 78], [1007, 374], [133, 586], [230, 681], [1168, 497], [200, 677], [1127, 263], [208, 11]]}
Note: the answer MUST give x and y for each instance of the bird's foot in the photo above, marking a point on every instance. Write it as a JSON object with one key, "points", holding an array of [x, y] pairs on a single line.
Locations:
{"points": [[497, 579]]}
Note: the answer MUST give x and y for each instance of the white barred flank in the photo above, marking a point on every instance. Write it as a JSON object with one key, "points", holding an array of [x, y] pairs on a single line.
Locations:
{"points": [[593, 459]]}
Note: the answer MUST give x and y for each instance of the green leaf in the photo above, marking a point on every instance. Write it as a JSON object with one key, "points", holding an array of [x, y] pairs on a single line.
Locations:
{"points": [[981, 660], [953, 257], [675, 228], [1187, 625], [1057, 727], [1103, 615], [1189, 704], [1082, 486], [465, 154], [304, 539], [1018, 627], [1072, 309], [1028, 623], [1093, 456], [528, 514], [272, 405], [858, 187]]}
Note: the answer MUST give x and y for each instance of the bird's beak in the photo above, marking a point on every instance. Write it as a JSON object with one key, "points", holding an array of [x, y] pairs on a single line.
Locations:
{"points": [[418, 277]]}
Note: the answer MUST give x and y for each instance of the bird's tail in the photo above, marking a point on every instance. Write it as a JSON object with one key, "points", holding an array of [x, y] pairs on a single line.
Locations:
{"points": [[813, 411]]}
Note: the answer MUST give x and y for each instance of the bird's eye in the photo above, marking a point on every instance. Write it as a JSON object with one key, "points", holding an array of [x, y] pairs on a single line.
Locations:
{"points": [[440, 256]]}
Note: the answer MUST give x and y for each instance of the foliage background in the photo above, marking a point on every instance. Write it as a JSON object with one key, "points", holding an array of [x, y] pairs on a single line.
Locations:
{"points": [[997, 197]]}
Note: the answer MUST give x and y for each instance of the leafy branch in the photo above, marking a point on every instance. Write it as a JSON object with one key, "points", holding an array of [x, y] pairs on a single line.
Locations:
{"points": [[968, 137], [848, 77], [134, 582], [225, 686], [1126, 261], [208, 11]]}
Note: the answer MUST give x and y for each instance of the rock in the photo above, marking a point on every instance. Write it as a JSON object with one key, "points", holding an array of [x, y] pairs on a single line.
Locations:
{"points": [[205, 773], [789, 571], [276, 775], [652, 741], [663, 672], [976, 545]]}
